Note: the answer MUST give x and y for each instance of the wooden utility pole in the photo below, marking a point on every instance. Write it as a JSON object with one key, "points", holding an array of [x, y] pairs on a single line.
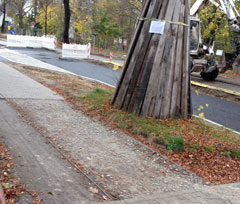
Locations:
{"points": [[155, 81]]}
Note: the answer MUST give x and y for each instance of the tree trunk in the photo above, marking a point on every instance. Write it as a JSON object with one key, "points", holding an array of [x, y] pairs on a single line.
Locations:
{"points": [[156, 78], [4, 16], [66, 21], [46, 19], [21, 24], [236, 64], [35, 5]]}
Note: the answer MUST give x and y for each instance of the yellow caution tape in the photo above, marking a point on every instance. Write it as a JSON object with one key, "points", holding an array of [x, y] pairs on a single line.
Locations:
{"points": [[171, 22], [216, 88]]}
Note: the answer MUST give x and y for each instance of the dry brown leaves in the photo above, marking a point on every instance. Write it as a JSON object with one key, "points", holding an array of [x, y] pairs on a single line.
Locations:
{"points": [[10, 183], [229, 74], [12, 187], [212, 166]]}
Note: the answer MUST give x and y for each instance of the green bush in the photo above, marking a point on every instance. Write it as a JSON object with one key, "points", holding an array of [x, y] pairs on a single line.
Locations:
{"points": [[175, 144]]}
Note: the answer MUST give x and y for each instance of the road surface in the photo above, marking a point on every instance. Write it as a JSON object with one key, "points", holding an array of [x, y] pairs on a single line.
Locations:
{"points": [[219, 111]]}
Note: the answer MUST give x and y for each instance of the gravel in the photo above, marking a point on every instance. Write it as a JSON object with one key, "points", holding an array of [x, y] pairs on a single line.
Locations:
{"points": [[122, 167]]}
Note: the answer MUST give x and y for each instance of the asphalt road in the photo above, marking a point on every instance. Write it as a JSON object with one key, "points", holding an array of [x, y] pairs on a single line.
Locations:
{"points": [[220, 111], [76, 66]]}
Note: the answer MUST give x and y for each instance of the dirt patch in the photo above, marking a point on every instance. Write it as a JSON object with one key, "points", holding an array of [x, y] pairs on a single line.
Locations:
{"points": [[229, 74], [55, 80], [104, 64], [211, 153]]}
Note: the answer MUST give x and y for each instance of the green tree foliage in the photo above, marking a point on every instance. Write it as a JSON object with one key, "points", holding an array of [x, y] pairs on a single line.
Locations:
{"points": [[108, 19], [55, 15], [215, 28], [106, 29]]}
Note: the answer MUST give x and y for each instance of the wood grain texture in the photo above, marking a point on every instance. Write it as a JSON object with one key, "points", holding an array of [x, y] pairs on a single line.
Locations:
{"points": [[156, 77]]}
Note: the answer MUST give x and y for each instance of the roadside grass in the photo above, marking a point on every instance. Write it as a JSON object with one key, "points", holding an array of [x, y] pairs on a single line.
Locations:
{"points": [[172, 135], [155, 130], [211, 152], [97, 98]]}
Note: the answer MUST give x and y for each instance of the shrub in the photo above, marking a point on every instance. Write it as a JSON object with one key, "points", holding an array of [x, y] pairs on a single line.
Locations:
{"points": [[175, 144]]}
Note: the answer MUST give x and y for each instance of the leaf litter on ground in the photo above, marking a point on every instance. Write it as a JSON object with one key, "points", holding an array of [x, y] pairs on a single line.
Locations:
{"points": [[211, 152], [12, 187]]}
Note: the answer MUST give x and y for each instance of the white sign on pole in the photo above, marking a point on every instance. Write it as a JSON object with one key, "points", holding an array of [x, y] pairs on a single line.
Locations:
{"points": [[157, 27], [219, 52], [120, 40]]}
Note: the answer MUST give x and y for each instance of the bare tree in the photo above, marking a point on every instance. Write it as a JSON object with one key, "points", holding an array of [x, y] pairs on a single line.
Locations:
{"points": [[44, 4], [35, 5], [66, 21], [20, 8]]}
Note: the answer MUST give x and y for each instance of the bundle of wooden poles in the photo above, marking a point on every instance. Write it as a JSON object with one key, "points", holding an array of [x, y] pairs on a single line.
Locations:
{"points": [[155, 81]]}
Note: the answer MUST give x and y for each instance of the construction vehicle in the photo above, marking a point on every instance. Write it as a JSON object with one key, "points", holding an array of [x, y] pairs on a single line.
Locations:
{"points": [[202, 56]]}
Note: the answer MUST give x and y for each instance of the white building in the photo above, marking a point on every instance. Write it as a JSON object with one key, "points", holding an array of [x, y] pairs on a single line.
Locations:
{"points": [[8, 20]]}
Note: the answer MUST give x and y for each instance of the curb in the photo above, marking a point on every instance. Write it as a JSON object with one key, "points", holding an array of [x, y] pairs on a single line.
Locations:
{"points": [[218, 79], [114, 63], [219, 125], [215, 88]]}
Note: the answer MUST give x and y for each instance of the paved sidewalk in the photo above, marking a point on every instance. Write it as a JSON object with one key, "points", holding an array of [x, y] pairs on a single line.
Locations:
{"points": [[16, 85], [183, 197], [39, 165], [14, 56], [221, 194]]}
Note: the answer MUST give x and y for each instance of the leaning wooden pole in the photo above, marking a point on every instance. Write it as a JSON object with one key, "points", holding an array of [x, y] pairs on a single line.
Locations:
{"points": [[155, 81]]}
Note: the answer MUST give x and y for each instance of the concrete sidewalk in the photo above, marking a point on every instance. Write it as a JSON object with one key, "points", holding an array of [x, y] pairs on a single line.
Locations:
{"points": [[39, 165], [25, 92], [15, 85], [224, 194]]}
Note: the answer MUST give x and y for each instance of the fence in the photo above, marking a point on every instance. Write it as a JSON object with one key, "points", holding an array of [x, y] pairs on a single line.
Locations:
{"points": [[76, 51], [31, 41]]}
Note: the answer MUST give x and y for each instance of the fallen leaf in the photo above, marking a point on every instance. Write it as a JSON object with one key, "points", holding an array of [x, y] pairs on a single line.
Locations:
{"points": [[93, 190], [5, 185], [105, 197]]}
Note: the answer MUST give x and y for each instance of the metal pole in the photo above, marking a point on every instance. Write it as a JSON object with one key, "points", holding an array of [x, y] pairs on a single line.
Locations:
{"points": [[94, 41]]}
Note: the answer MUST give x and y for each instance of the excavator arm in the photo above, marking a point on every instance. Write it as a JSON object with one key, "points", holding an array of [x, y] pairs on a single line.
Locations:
{"points": [[226, 6], [229, 9]]}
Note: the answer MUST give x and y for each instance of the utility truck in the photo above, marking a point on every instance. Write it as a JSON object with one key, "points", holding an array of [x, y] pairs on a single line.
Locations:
{"points": [[202, 56]]}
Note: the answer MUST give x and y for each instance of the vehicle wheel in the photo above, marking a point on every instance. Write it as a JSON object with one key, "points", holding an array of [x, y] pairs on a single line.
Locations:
{"points": [[211, 76]]}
